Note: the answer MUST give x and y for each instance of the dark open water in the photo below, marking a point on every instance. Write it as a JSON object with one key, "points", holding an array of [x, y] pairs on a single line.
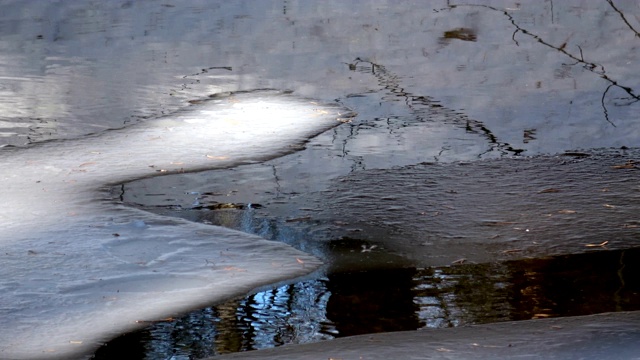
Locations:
{"points": [[363, 302]]}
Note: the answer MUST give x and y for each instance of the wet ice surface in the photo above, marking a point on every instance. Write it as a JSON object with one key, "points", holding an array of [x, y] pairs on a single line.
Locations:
{"points": [[438, 83], [79, 269]]}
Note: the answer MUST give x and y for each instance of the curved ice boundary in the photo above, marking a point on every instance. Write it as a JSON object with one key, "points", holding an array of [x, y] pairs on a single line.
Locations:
{"points": [[78, 269]]}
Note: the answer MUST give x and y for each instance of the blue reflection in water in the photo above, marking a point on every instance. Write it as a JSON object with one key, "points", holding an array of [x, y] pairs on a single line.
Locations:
{"points": [[288, 314]]}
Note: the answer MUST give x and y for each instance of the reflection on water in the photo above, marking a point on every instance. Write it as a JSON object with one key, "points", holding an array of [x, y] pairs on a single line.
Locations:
{"points": [[351, 303]]}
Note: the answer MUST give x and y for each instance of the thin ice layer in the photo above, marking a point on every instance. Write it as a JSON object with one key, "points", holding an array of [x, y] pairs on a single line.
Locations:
{"points": [[79, 269]]}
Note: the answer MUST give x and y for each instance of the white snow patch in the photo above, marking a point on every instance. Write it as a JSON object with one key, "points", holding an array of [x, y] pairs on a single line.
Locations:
{"points": [[78, 270]]}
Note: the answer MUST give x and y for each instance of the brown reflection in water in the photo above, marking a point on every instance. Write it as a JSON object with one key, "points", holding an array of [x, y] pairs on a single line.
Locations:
{"points": [[231, 332], [464, 294], [573, 285], [372, 301], [570, 285]]}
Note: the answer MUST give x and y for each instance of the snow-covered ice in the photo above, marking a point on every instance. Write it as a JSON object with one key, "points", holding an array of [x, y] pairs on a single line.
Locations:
{"points": [[79, 268]]}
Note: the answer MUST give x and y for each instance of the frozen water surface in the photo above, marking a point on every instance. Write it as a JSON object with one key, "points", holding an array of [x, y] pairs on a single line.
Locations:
{"points": [[433, 84], [79, 269]]}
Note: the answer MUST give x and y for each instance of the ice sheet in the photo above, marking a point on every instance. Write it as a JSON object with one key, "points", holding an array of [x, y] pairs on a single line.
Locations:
{"points": [[79, 269]]}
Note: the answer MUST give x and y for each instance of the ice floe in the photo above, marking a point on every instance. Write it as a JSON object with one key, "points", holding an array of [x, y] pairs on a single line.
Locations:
{"points": [[79, 268]]}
